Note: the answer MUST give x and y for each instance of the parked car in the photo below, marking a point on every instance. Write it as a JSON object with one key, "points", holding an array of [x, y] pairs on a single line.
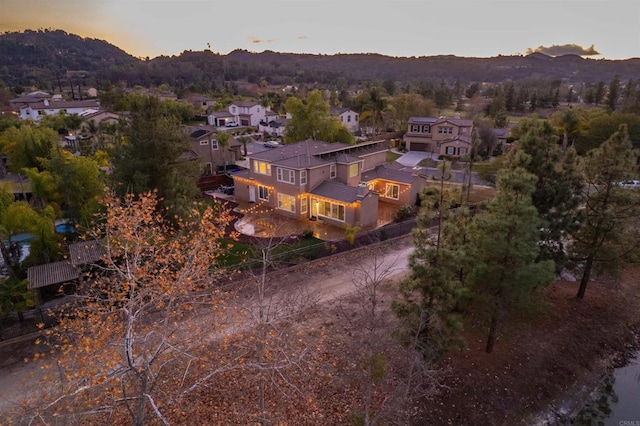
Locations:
{"points": [[272, 144], [630, 184], [231, 124]]}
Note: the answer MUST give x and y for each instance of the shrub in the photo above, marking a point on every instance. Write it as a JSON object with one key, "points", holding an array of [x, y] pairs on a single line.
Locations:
{"points": [[307, 233], [404, 212]]}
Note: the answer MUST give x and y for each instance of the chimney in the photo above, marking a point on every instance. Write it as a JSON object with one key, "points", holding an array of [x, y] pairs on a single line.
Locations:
{"points": [[362, 190]]}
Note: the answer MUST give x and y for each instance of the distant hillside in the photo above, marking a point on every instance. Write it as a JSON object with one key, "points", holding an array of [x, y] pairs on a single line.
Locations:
{"points": [[39, 58], [33, 57]]}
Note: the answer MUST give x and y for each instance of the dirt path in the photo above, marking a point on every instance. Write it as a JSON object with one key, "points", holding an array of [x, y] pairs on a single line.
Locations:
{"points": [[326, 280]]}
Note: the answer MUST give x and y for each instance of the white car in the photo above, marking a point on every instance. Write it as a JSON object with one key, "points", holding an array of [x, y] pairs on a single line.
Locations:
{"points": [[231, 124], [272, 144], [630, 184]]}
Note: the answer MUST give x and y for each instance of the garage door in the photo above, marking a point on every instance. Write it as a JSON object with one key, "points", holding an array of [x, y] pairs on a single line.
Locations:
{"points": [[416, 146]]}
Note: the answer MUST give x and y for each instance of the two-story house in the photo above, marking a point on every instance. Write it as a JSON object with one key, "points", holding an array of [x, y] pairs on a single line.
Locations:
{"points": [[204, 146], [442, 135], [333, 182], [347, 117], [37, 110], [241, 113]]}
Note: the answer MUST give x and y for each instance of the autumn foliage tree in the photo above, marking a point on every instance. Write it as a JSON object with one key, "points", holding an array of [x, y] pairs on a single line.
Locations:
{"points": [[140, 336]]}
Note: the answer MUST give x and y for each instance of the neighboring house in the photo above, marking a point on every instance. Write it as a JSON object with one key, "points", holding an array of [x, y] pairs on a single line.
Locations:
{"points": [[274, 127], [98, 117], [501, 136], [442, 135], [36, 110], [220, 119], [333, 182], [201, 103], [30, 98], [246, 114], [349, 118], [205, 148]]}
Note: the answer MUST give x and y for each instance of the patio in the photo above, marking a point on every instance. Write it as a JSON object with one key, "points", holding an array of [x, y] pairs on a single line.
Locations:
{"points": [[261, 221]]}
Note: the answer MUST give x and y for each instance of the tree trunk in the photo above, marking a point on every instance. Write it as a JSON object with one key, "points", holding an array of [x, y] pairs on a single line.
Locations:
{"points": [[493, 327], [586, 275]]}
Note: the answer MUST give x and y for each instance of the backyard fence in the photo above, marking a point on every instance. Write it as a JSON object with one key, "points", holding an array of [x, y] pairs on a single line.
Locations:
{"points": [[18, 324]]}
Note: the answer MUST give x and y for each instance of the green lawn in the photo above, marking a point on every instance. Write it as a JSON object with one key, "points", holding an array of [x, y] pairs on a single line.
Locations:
{"points": [[392, 156], [239, 253]]}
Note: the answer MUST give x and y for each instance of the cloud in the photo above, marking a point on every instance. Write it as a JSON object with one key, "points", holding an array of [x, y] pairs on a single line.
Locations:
{"points": [[256, 40], [564, 49]]}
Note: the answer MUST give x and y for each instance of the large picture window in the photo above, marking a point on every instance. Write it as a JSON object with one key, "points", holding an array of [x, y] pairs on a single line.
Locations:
{"points": [[330, 210], [392, 191], [286, 175], [287, 202], [445, 130]]}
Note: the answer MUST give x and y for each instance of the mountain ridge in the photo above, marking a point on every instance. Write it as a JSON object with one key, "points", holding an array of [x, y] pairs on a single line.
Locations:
{"points": [[43, 56]]}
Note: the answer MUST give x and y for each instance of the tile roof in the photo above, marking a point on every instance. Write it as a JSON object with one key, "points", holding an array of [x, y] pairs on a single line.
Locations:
{"points": [[343, 158], [304, 148], [338, 191], [391, 174], [323, 152], [221, 114], [51, 273], [436, 120], [459, 138], [245, 104], [85, 252], [89, 103]]}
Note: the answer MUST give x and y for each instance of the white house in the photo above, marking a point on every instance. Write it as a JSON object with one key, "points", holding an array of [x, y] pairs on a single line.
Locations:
{"points": [[349, 118], [36, 110]]}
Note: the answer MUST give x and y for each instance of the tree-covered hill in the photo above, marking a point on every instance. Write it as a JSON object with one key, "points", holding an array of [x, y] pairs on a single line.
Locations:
{"points": [[40, 58], [32, 57]]}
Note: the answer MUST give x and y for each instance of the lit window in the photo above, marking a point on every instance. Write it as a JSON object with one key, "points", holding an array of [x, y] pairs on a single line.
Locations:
{"points": [[287, 202], [262, 167], [353, 170], [392, 191], [330, 210], [332, 171], [303, 205]]}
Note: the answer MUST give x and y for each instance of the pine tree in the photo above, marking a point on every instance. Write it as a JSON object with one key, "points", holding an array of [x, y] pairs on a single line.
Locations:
{"points": [[608, 222], [504, 248], [432, 291]]}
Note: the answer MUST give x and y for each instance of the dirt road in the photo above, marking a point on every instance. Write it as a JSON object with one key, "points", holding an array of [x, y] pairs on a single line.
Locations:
{"points": [[325, 280]]}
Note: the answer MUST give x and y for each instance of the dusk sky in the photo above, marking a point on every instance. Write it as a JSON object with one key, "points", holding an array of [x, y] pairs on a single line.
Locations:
{"points": [[396, 28]]}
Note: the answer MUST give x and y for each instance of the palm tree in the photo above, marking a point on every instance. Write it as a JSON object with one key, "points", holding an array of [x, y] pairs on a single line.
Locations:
{"points": [[223, 144]]}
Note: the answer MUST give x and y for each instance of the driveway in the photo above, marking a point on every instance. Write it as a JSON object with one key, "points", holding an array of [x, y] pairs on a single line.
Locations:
{"points": [[413, 158]]}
